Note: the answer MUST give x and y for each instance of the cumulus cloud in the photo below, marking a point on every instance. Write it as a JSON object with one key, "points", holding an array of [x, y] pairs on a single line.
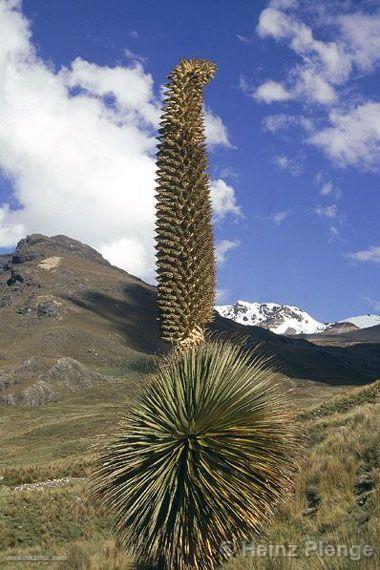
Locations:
{"points": [[372, 255], [223, 248], [223, 200], [78, 146], [323, 65], [314, 87], [271, 91], [352, 138], [215, 130], [9, 233], [333, 46], [361, 33], [130, 87]]}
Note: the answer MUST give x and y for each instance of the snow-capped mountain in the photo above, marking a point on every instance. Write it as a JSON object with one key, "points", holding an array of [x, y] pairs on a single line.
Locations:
{"points": [[280, 319], [363, 321]]}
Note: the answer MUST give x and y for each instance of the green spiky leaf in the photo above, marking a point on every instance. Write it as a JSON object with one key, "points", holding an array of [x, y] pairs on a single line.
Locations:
{"points": [[202, 458]]}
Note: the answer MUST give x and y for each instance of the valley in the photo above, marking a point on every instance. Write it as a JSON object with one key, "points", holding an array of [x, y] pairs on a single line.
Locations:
{"points": [[79, 338]]}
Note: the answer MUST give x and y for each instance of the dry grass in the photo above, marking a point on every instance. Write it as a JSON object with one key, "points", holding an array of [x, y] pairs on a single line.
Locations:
{"points": [[338, 494], [337, 501]]}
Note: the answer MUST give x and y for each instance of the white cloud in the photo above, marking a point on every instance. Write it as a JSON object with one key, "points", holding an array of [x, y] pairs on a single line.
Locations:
{"points": [[244, 85], [353, 138], [221, 295], [130, 86], [284, 121], [79, 166], [136, 57], [334, 44], [372, 254], [216, 132], [327, 211], [334, 231], [279, 217], [243, 39], [271, 91], [274, 23], [285, 4], [361, 33], [128, 253], [223, 200], [78, 145], [312, 86], [328, 60], [228, 172], [324, 65], [327, 189], [223, 248], [293, 165], [9, 233]]}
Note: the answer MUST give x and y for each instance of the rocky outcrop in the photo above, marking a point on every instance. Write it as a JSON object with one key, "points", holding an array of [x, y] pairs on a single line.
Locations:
{"points": [[39, 247], [340, 328], [4, 260], [48, 308], [28, 385]]}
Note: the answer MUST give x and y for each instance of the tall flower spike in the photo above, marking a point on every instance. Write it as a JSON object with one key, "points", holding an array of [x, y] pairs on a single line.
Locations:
{"points": [[184, 240]]}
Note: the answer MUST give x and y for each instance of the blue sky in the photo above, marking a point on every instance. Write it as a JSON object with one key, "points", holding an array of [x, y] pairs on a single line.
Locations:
{"points": [[293, 120]]}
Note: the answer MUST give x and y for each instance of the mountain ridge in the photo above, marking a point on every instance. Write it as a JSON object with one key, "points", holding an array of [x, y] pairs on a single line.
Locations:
{"points": [[66, 301], [290, 319]]}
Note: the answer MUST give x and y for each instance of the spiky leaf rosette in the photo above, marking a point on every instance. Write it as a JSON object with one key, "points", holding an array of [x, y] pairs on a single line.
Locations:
{"points": [[202, 458], [184, 241]]}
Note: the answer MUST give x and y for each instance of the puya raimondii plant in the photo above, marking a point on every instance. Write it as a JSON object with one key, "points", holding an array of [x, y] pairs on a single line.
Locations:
{"points": [[184, 241], [207, 451]]}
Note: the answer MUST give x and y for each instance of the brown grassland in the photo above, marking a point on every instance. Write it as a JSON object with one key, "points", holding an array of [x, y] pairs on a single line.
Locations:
{"points": [[337, 499]]}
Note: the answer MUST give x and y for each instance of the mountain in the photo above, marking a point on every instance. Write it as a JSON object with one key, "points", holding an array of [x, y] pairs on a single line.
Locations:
{"points": [[363, 321], [70, 321], [289, 320], [280, 319]]}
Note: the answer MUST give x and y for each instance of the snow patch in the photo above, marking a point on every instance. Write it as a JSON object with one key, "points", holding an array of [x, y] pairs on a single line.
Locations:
{"points": [[363, 321]]}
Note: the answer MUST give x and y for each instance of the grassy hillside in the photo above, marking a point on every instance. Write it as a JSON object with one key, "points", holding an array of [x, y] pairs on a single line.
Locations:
{"points": [[337, 499], [72, 304]]}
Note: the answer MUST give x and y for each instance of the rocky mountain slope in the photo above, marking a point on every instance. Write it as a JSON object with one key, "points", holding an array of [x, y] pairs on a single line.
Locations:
{"points": [[280, 319], [70, 321]]}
